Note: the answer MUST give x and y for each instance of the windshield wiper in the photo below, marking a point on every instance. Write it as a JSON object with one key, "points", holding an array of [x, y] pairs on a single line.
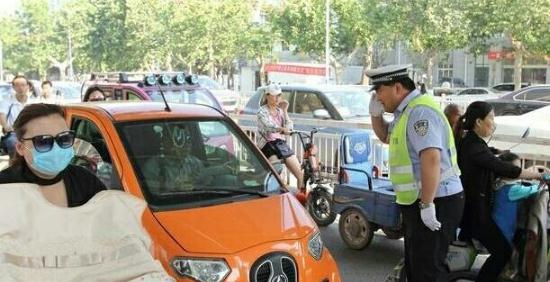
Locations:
{"points": [[229, 190]]}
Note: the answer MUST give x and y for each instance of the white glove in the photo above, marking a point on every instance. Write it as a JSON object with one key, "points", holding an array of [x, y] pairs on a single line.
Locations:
{"points": [[428, 217], [376, 109]]}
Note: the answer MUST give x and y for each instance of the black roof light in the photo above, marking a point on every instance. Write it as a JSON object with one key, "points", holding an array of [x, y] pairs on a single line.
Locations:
{"points": [[192, 79], [179, 78], [123, 77], [150, 80]]}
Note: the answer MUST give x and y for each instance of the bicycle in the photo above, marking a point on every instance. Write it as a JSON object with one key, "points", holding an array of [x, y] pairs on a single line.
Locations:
{"points": [[318, 200]]}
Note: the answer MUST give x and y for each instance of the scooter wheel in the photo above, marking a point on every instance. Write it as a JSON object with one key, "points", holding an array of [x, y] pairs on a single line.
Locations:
{"points": [[355, 229], [320, 207]]}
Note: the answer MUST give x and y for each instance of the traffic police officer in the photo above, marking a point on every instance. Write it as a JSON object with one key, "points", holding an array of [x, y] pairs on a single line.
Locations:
{"points": [[423, 169]]}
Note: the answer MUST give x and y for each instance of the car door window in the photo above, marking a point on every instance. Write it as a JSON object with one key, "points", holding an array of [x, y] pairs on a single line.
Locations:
{"points": [[538, 95], [91, 152], [131, 96], [307, 102]]}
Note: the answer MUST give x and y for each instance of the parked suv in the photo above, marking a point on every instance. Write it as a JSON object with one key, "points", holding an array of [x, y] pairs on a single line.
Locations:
{"points": [[177, 87], [228, 98]]}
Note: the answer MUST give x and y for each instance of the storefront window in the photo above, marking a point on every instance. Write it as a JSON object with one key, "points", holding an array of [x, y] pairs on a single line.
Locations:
{"points": [[531, 75], [481, 72]]}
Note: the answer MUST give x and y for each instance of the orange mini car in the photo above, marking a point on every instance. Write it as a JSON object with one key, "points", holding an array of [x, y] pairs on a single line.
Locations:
{"points": [[216, 210]]}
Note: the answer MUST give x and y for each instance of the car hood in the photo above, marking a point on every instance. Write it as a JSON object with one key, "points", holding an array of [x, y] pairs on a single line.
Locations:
{"points": [[233, 227], [362, 119]]}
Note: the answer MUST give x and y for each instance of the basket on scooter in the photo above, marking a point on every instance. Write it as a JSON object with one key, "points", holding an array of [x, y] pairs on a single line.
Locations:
{"points": [[365, 203]]}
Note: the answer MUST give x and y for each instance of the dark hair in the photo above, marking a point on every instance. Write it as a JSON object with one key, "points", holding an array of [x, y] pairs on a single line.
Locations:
{"points": [[20, 76], [508, 157], [46, 82], [451, 109], [27, 115], [90, 90], [476, 110]]}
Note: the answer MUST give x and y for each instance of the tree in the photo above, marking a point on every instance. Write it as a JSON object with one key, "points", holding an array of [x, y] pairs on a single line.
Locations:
{"points": [[524, 24], [105, 42], [432, 27], [355, 26]]}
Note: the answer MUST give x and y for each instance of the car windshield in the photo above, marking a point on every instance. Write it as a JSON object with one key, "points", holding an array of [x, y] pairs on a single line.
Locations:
{"points": [[350, 103], [209, 83], [190, 162], [68, 92], [182, 96]]}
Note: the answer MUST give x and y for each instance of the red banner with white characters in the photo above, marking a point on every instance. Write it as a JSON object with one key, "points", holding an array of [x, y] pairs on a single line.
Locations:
{"points": [[298, 69]]}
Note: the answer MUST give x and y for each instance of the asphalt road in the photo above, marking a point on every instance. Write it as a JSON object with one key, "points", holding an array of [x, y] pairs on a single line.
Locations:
{"points": [[373, 263]]}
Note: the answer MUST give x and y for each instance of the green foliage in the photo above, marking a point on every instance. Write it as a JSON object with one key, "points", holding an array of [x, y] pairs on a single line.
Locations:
{"points": [[211, 35]]}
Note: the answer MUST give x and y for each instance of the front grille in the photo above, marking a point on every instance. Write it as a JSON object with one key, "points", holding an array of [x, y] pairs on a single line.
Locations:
{"points": [[289, 268], [274, 267], [264, 271]]}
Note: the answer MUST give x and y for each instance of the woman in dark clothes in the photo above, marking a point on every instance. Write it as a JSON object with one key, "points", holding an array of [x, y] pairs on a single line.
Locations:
{"points": [[44, 151], [480, 167]]}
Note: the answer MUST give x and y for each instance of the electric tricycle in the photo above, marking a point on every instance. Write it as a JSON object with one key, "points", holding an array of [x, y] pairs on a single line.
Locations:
{"points": [[364, 200]]}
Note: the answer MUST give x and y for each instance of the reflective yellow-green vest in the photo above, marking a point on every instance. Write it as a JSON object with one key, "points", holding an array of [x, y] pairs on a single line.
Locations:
{"points": [[407, 188]]}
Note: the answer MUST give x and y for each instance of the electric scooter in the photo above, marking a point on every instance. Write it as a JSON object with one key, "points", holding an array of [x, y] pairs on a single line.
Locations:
{"points": [[465, 260], [318, 195]]}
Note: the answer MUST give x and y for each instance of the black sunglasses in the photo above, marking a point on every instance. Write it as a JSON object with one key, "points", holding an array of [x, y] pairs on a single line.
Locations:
{"points": [[44, 143]]}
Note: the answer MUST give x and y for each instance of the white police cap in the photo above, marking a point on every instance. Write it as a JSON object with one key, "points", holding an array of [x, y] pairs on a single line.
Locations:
{"points": [[388, 73]]}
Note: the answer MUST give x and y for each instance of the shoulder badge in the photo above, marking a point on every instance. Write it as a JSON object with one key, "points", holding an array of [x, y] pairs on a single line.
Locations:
{"points": [[421, 127]]}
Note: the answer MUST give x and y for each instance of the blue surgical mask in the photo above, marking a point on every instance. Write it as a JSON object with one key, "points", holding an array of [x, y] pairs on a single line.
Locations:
{"points": [[53, 161]]}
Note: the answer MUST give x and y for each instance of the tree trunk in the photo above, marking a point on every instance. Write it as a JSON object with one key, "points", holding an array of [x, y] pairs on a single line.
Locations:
{"points": [[368, 63], [211, 65], [518, 63], [263, 76], [431, 57]]}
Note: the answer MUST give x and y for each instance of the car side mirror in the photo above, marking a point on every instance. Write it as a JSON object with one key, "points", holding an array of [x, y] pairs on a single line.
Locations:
{"points": [[321, 114]]}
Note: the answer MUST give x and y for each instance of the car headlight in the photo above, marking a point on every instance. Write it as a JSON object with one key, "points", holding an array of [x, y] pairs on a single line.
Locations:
{"points": [[315, 245], [204, 270]]}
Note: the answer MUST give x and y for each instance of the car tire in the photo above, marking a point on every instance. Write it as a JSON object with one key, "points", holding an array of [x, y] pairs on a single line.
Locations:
{"points": [[355, 229]]}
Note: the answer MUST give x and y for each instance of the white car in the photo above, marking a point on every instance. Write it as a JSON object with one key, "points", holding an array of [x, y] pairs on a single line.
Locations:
{"points": [[534, 126], [228, 98], [466, 96]]}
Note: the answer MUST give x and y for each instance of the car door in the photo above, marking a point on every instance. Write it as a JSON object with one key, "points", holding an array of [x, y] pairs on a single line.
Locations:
{"points": [[92, 151], [534, 99]]}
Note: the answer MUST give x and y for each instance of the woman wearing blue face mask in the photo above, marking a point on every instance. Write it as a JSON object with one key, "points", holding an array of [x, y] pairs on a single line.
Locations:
{"points": [[44, 151]]}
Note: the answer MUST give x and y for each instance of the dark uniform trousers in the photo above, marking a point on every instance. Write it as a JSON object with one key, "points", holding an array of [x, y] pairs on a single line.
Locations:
{"points": [[426, 250]]}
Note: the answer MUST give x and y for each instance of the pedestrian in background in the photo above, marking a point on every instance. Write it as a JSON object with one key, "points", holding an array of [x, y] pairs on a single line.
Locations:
{"points": [[47, 95], [423, 170], [453, 113], [94, 94], [9, 111]]}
